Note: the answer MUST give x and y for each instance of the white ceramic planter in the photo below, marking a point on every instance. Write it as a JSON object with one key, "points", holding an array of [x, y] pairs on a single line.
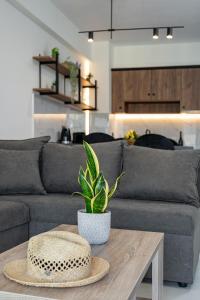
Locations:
{"points": [[95, 228]]}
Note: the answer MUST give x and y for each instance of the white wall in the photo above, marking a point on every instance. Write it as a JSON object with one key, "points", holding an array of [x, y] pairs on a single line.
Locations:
{"points": [[46, 15], [21, 38], [156, 55], [101, 57]]}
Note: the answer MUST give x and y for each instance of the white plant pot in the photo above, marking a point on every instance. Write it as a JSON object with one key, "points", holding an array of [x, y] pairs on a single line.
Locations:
{"points": [[95, 228]]}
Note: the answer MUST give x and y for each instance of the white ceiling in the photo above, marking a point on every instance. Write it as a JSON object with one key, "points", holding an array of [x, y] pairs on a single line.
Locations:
{"points": [[95, 14]]}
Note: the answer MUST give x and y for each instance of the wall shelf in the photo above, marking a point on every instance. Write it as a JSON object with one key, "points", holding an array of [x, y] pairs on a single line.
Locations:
{"points": [[63, 98], [53, 63]]}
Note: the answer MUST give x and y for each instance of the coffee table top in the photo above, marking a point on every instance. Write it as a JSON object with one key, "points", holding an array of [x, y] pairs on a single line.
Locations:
{"points": [[129, 253]]}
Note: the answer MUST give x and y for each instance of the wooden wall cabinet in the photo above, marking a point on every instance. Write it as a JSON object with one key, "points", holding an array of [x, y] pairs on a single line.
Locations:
{"points": [[190, 99], [156, 90], [118, 102], [166, 84], [136, 85]]}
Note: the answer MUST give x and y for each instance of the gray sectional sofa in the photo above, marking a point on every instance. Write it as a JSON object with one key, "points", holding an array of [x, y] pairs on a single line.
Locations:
{"points": [[159, 192]]}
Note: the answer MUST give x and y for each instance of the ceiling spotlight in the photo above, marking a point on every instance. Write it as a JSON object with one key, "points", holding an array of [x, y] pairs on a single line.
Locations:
{"points": [[90, 36], [155, 33], [169, 33]]}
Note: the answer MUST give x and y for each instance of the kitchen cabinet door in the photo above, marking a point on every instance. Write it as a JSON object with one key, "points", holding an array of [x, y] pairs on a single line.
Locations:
{"points": [[166, 84], [117, 92], [190, 89], [136, 85]]}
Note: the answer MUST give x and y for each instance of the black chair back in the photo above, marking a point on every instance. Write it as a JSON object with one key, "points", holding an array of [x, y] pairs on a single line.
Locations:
{"points": [[156, 141], [98, 137]]}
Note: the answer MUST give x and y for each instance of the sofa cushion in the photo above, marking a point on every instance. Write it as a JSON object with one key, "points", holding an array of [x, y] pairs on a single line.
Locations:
{"points": [[172, 218], [51, 208], [19, 172], [160, 175], [61, 165], [28, 144], [12, 214]]}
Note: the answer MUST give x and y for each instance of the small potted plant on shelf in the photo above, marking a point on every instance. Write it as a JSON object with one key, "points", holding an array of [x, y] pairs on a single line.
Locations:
{"points": [[131, 136], [73, 76], [89, 77], [95, 220], [54, 52]]}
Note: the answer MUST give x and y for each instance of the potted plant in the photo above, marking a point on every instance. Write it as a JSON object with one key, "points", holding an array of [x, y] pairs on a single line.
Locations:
{"points": [[89, 77], [95, 220], [54, 52], [73, 76], [131, 136]]}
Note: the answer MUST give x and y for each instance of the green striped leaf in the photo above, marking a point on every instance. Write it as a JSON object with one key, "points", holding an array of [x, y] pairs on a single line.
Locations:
{"points": [[92, 161], [100, 202], [114, 187], [100, 183], [81, 173], [85, 185], [88, 202]]}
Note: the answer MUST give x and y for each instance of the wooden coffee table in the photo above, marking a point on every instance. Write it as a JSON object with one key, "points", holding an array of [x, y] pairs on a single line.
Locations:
{"points": [[129, 252]]}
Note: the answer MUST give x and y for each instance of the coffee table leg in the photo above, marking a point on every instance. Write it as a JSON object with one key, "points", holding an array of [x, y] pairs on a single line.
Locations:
{"points": [[157, 274]]}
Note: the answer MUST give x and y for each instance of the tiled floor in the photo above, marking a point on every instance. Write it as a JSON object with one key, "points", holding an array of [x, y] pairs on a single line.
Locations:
{"points": [[173, 292]]}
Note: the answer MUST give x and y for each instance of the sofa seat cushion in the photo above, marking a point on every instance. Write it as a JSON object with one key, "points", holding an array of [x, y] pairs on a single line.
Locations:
{"points": [[165, 217], [61, 165], [171, 218], [13, 214], [51, 208]]}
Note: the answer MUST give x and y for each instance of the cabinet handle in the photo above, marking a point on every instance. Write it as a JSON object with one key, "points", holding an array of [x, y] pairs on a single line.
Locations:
{"points": [[183, 107], [149, 94], [120, 107], [153, 94]]}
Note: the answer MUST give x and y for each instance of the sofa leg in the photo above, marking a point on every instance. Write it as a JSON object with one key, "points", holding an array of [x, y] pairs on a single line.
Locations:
{"points": [[182, 284]]}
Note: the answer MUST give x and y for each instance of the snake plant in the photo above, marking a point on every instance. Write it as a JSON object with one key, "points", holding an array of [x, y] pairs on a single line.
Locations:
{"points": [[95, 189]]}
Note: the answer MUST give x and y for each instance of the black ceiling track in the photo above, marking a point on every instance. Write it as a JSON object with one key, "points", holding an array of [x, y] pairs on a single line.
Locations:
{"points": [[111, 29]]}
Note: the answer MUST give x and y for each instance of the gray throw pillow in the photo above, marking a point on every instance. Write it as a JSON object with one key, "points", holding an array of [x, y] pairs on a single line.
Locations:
{"points": [[61, 164], [19, 172], [29, 144], [165, 175]]}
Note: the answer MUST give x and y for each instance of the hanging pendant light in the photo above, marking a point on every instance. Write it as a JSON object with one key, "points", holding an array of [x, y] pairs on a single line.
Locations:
{"points": [[169, 33], [90, 37], [155, 33]]}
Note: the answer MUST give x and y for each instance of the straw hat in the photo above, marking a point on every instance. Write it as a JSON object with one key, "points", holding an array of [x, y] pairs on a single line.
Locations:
{"points": [[57, 259]]}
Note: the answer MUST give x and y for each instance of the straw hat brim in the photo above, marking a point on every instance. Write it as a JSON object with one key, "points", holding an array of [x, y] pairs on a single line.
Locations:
{"points": [[17, 271]]}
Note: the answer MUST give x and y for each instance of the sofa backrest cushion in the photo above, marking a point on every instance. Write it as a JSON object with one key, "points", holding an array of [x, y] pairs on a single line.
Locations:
{"points": [[19, 172], [29, 144], [160, 175], [61, 164]]}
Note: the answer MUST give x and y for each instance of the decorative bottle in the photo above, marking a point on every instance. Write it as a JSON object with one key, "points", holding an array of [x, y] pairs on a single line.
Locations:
{"points": [[180, 141]]}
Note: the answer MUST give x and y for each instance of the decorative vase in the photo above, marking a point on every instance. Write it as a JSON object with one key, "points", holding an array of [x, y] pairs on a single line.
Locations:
{"points": [[95, 228], [131, 141]]}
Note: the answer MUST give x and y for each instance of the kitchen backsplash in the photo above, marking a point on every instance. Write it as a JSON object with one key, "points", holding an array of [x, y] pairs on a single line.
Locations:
{"points": [[167, 125]]}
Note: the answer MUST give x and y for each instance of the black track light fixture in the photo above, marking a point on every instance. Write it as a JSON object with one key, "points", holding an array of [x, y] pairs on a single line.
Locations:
{"points": [[169, 33], [155, 33], [111, 30], [90, 36]]}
